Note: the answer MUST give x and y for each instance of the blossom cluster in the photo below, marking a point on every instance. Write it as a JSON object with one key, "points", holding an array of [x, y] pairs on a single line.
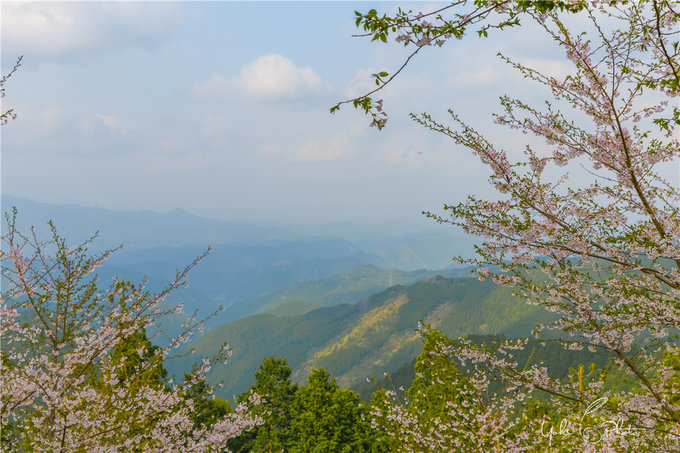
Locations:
{"points": [[602, 254], [72, 375]]}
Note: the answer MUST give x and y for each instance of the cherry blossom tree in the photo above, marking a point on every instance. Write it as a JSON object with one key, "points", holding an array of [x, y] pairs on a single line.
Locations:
{"points": [[9, 113], [77, 372], [419, 30], [601, 251]]}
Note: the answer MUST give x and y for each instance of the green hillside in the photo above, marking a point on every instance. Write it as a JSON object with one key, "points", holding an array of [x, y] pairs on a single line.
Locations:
{"points": [[356, 341], [552, 354], [293, 308], [346, 288], [264, 335], [385, 337]]}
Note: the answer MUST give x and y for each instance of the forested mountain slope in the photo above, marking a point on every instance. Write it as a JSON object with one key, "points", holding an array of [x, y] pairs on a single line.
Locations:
{"points": [[368, 338], [348, 287]]}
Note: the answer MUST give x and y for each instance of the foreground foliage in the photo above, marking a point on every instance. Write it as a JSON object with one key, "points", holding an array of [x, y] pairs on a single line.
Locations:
{"points": [[602, 251], [315, 417], [77, 370]]}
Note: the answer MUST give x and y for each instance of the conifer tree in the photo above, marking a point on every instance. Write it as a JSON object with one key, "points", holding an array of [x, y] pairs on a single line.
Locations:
{"points": [[277, 393], [326, 418]]}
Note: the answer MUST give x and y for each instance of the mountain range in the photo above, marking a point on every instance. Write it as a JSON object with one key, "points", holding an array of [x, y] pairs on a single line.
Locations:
{"points": [[431, 248], [342, 297], [248, 261], [356, 341]]}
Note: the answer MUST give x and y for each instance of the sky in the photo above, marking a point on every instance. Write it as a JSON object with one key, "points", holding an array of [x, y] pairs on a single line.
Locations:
{"points": [[222, 109]]}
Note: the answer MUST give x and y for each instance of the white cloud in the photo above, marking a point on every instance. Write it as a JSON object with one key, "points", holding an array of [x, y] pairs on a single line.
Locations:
{"points": [[69, 131], [270, 77], [410, 156], [275, 77], [52, 119], [315, 151], [362, 82], [59, 29], [115, 125], [216, 87]]}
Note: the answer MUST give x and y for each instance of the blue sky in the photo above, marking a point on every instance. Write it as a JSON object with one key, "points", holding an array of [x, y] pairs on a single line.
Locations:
{"points": [[221, 108]]}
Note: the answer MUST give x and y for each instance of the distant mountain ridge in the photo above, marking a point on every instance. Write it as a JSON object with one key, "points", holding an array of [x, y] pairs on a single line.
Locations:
{"points": [[248, 263], [232, 273], [135, 229], [431, 249]]}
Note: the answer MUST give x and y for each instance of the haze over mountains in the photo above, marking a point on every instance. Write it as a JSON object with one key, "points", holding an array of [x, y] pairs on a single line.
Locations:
{"points": [[150, 229], [349, 301], [247, 261]]}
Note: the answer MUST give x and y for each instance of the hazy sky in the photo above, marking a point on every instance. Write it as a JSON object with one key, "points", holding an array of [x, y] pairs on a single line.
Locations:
{"points": [[221, 108]]}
